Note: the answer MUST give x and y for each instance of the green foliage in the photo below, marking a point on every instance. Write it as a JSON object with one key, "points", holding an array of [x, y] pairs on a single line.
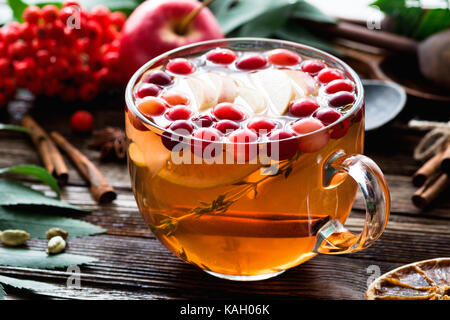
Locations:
{"points": [[12, 127]]}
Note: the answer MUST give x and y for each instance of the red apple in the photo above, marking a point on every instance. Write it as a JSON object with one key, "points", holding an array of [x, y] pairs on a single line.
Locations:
{"points": [[152, 29]]}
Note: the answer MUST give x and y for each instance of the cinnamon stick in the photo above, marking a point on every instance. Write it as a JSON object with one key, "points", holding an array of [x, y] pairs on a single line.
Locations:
{"points": [[428, 169], [51, 157], [430, 190], [445, 161], [100, 188]]}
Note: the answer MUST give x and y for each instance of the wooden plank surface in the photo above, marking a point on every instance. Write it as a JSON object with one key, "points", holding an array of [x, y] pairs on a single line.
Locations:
{"points": [[134, 265]]}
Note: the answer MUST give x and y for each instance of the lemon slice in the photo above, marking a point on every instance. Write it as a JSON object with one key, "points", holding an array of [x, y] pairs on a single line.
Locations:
{"points": [[136, 155]]}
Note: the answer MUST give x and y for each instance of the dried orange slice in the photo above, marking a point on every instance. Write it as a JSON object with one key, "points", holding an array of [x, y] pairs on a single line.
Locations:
{"points": [[423, 280]]}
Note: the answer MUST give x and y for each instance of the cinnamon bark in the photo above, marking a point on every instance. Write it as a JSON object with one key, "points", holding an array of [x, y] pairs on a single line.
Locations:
{"points": [[428, 169], [445, 161], [51, 157], [431, 190], [100, 188]]}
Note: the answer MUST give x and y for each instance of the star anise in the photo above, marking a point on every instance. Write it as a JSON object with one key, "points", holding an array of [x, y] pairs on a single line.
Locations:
{"points": [[111, 142]]}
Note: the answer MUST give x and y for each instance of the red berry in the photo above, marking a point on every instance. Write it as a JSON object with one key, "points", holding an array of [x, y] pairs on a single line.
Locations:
{"points": [[339, 85], [111, 60], [312, 66], [303, 108], [262, 126], [70, 4], [327, 75], [82, 121], [67, 13], [203, 143], [284, 57], [158, 77], [152, 106], [88, 91], [31, 14], [251, 62], [203, 121], [340, 129], [56, 31], [341, 99], [100, 13], [313, 142], [118, 19], [94, 30], [327, 115], [221, 56], [226, 126], [282, 146], [28, 32], [11, 32], [181, 128], [180, 66], [228, 111], [243, 148], [179, 113], [147, 89], [49, 13], [18, 50]]}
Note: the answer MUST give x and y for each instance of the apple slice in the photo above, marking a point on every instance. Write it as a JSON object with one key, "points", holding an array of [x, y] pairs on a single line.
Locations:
{"points": [[253, 98], [277, 85], [303, 83], [204, 93], [225, 86]]}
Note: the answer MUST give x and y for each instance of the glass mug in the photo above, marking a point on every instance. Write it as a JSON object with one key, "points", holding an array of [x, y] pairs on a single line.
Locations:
{"points": [[261, 224]]}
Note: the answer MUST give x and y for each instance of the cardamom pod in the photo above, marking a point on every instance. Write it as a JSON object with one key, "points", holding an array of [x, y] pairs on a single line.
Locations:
{"points": [[56, 245], [53, 232], [14, 238]]}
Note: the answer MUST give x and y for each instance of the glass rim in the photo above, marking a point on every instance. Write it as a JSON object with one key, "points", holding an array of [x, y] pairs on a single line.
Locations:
{"points": [[226, 41]]}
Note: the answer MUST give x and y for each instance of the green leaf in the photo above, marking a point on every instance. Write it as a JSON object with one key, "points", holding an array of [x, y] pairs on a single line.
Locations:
{"points": [[12, 127], [292, 31], [220, 7], [37, 224], [126, 6], [305, 10], [433, 21], [14, 193], [2, 292], [33, 286], [37, 172], [17, 7], [24, 258], [245, 11]]}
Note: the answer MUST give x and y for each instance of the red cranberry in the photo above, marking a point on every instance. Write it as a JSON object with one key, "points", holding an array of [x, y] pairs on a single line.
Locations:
{"points": [[182, 129], [180, 66], [313, 142], [303, 108], [312, 66], [226, 126], [243, 150], [179, 113], [152, 106], [262, 126], [327, 75], [282, 146], [203, 145], [251, 62], [341, 99], [327, 115], [82, 121], [284, 57], [158, 77], [340, 129], [339, 85], [221, 56], [146, 90], [228, 111], [203, 121]]}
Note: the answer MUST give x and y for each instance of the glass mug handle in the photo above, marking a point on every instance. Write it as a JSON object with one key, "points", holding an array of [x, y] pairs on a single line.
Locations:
{"points": [[333, 237]]}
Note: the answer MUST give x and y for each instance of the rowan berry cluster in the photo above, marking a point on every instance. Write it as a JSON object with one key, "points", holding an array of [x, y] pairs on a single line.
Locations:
{"points": [[68, 52]]}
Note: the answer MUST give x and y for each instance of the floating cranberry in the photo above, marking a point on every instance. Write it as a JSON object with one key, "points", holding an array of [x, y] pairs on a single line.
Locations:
{"points": [[179, 113], [180, 66], [327, 115], [82, 121], [147, 90], [243, 148], [152, 106], [158, 77], [313, 142], [341, 99], [312, 66], [228, 111], [203, 121], [303, 108], [340, 129], [251, 62], [226, 126], [283, 57], [262, 126], [339, 85], [327, 75], [221, 56], [175, 98], [203, 143], [177, 133], [282, 146]]}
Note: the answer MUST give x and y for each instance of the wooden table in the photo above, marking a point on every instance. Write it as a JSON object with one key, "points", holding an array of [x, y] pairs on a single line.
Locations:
{"points": [[134, 265]]}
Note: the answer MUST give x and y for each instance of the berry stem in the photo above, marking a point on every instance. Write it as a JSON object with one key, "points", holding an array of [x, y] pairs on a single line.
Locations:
{"points": [[183, 26]]}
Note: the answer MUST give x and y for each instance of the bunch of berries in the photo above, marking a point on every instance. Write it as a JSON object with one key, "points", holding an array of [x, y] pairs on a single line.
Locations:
{"points": [[69, 52]]}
